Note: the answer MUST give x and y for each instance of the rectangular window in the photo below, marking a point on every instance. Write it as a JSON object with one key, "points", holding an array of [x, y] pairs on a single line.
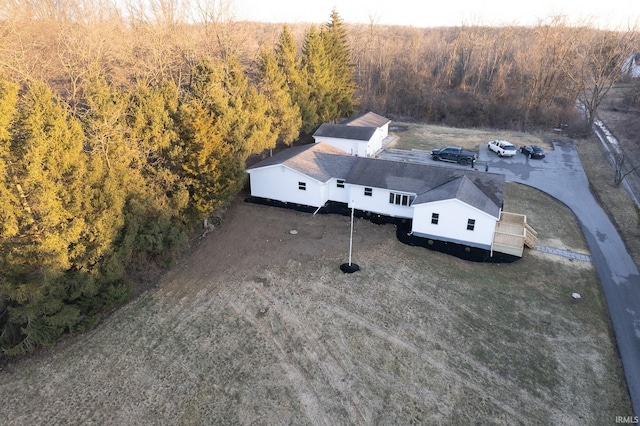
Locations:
{"points": [[368, 192], [302, 186], [434, 218], [400, 199], [471, 224], [340, 183]]}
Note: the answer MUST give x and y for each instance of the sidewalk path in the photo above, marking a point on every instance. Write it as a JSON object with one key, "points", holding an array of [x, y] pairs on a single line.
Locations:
{"points": [[561, 175], [564, 253]]}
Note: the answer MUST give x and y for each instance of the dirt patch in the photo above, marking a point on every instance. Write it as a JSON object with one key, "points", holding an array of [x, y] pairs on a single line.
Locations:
{"points": [[256, 237]]}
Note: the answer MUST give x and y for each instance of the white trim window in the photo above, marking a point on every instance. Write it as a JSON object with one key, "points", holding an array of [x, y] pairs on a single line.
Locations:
{"points": [[435, 217], [400, 199], [368, 192], [340, 183], [471, 224], [302, 186]]}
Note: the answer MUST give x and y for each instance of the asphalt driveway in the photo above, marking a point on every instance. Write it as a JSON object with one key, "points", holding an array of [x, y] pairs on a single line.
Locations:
{"points": [[561, 175]]}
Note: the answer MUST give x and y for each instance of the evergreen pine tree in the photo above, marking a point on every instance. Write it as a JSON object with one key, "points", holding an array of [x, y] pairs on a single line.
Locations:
{"points": [[109, 175], [296, 81], [222, 120], [336, 47], [151, 130], [284, 114], [9, 198], [316, 70], [47, 146]]}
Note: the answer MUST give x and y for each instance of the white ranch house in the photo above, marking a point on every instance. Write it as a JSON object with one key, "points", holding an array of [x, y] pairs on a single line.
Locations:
{"points": [[362, 135], [452, 205]]}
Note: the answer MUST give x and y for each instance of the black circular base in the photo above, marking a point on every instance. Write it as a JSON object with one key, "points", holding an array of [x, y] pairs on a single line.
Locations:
{"points": [[349, 269]]}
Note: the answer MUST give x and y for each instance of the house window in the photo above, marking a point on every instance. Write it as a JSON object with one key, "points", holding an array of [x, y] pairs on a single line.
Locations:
{"points": [[434, 218], [340, 183], [302, 186], [368, 192], [471, 224], [400, 199]]}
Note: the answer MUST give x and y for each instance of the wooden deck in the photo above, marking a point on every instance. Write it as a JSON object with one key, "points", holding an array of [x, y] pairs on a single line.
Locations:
{"points": [[512, 234]]}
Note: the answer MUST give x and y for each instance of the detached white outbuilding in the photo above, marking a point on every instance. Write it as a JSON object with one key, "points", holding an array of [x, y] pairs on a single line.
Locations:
{"points": [[453, 205], [362, 135]]}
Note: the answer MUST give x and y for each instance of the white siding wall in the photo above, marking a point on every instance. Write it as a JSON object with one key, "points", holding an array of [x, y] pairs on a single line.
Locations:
{"points": [[375, 144], [384, 130], [452, 222], [351, 147], [378, 202], [340, 195], [281, 183]]}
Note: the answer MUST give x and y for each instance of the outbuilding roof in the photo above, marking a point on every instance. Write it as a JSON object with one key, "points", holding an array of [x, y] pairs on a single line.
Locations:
{"points": [[368, 119], [343, 131]]}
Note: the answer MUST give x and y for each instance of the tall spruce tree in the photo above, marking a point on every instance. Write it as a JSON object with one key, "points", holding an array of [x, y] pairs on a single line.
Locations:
{"points": [[317, 72], [151, 130], [222, 121], [296, 81], [9, 199], [108, 174], [47, 146], [338, 52], [10, 215], [283, 112]]}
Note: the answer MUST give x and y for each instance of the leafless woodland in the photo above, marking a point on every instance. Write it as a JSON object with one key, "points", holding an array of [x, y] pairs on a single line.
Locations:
{"points": [[506, 77]]}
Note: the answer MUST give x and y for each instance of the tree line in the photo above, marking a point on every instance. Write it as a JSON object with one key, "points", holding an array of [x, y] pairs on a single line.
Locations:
{"points": [[103, 180], [515, 77], [520, 78]]}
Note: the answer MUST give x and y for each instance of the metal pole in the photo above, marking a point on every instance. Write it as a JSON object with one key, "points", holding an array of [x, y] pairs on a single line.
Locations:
{"points": [[351, 236]]}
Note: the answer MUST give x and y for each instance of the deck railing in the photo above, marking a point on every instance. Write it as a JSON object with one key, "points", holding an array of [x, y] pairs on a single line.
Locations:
{"points": [[512, 233]]}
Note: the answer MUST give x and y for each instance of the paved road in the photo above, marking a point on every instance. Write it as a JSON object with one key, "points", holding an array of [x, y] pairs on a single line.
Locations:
{"points": [[561, 175]]}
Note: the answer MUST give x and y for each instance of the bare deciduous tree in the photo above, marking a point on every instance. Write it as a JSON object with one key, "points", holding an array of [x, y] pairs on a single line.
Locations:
{"points": [[621, 169], [598, 60]]}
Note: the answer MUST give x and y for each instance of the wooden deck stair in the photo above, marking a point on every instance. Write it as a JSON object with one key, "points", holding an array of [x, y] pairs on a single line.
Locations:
{"points": [[530, 235], [513, 233]]}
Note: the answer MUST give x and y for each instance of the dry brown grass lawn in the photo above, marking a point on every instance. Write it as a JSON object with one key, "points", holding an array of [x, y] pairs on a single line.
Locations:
{"points": [[259, 326], [563, 232], [428, 137]]}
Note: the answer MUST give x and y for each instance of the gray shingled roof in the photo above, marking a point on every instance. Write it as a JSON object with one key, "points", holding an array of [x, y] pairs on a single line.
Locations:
{"points": [[482, 190], [318, 160], [322, 162], [368, 119], [342, 131], [463, 189]]}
